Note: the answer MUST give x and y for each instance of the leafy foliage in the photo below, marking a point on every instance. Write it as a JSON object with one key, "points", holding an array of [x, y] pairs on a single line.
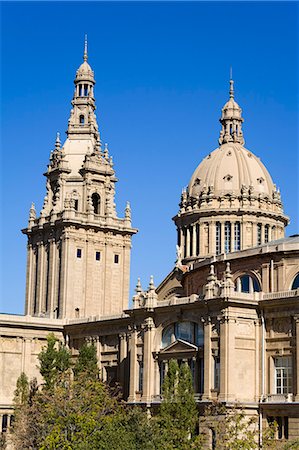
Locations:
{"points": [[78, 412], [178, 413], [87, 361], [75, 410], [53, 361]]}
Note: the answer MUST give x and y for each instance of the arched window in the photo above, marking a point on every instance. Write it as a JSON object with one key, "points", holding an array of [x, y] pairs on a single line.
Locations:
{"points": [[295, 284], [187, 331], [247, 283], [96, 203], [81, 119]]}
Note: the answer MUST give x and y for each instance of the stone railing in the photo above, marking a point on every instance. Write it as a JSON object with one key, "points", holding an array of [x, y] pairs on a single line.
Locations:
{"points": [[281, 294], [279, 398], [159, 398]]}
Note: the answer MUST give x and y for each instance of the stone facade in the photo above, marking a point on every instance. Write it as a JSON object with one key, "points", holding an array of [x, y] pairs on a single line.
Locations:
{"points": [[229, 308]]}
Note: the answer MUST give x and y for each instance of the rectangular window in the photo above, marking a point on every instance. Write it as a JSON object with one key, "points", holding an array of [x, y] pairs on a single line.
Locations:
{"points": [[140, 377], [227, 237], [237, 236], [79, 252], [267, 233], [218, 238], [216, 373], [259, 234], [98, 256], [283, 374], [116, 259]]}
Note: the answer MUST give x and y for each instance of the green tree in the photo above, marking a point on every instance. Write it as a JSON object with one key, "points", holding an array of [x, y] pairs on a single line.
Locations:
{"points": [[87, 361], [236, 431], [21, 394], [80, 412], [178, 414], [55, 359]]}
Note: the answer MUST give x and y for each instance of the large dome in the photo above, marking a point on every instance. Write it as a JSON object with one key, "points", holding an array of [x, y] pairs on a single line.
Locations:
{"points": [[231, 202], [231, 168]]}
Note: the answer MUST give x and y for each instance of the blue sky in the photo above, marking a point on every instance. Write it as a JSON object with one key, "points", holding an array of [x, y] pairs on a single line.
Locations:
{"points": [[162, 73]]}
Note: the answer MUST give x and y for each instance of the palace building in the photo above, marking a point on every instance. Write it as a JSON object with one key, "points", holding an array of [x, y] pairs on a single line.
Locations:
{"points": [[229, 308]]}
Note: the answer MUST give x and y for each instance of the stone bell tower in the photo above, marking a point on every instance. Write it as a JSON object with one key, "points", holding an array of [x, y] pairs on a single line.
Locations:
{"points": [[78, 262]]}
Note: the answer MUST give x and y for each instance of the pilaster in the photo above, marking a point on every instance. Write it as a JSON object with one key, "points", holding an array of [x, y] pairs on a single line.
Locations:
{"points": [[133, 364], [227, 359], [148, 361], [207, 360]]}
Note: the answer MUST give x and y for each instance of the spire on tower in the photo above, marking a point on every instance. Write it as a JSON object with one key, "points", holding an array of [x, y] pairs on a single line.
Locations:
{"points": [[231, 84], [231, 118], [85, 56]]}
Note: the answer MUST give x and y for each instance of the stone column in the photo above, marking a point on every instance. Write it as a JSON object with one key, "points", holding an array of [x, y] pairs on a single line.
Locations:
{"points": [[263, 234], [26, 356], [37, 280], [232, 236], [222, 236], [29, 280], [227, 359], [194, 238], [64, 278], [133, 364], [122, 359], [254, 234], [182, 240], [98, 345], [207, 360], [52, 276], [187, 243], [41, 277], [148, 361], [212, 238], [157, 376]]}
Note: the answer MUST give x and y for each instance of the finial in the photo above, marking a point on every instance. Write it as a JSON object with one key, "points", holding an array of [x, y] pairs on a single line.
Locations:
{"points": [[32, 212], [151, 284], [106, 152], [85, 57], [57, 142], [138, 288], [228, 274], [128, 211], [231, 85], [212, 276]]}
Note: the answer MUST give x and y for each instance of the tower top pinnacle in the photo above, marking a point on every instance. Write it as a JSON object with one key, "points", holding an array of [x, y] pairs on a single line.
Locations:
{"points": [[231, 84], [85, 55], [231, 118]]}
